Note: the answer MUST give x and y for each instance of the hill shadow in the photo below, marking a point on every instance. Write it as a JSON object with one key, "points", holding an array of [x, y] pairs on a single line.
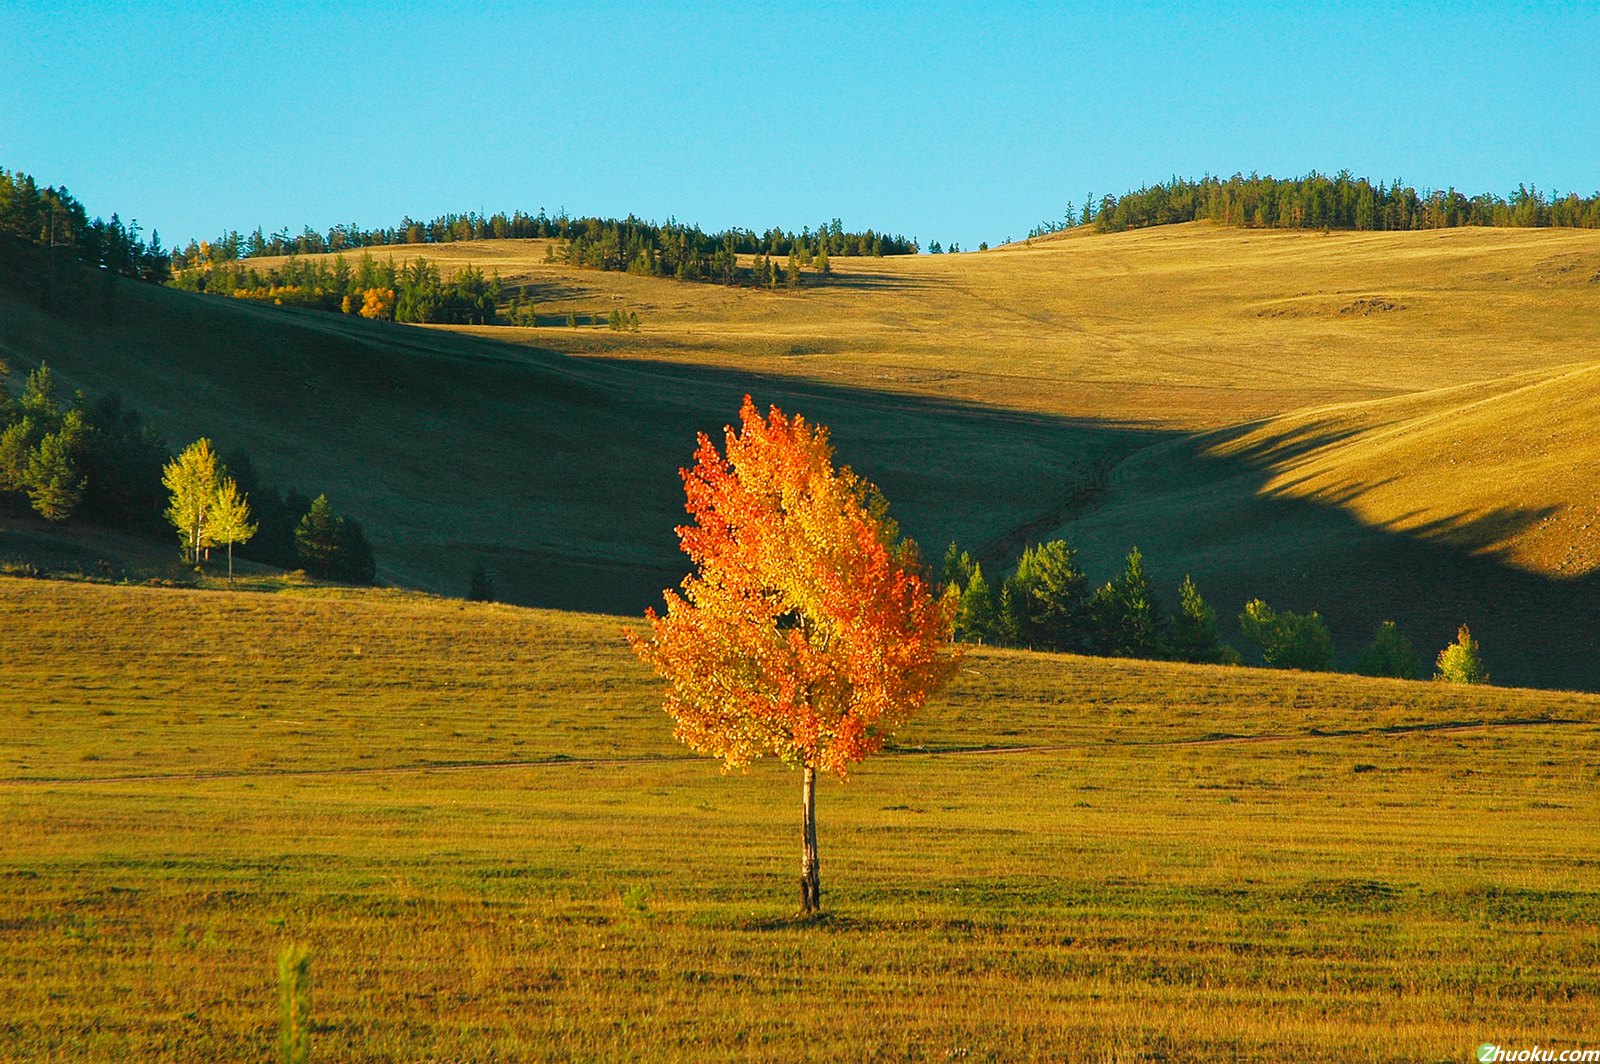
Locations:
{"points": [[561, 473]]}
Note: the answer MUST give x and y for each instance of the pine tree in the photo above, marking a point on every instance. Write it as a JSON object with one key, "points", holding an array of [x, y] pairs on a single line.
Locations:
{"points": [[1389, 654], [1049, 598], [975, 615], [17, 444], [480, 585], [229, 521], [957, 568], [318, 537], [55, 487], [354, 563], [1193, 632], [1127, 618]]}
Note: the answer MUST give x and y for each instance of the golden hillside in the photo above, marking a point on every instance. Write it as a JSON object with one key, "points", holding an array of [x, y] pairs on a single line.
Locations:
{"points": [[1370, 424]]}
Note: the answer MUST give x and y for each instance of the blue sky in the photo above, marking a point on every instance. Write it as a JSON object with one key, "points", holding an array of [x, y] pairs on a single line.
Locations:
{"points": [[945, 122]]}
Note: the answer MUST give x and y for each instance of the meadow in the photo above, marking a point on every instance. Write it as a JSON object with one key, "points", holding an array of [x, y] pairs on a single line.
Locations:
{"points": [[476, 818]]}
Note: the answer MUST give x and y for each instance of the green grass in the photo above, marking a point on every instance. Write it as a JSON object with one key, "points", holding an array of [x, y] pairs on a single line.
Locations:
{"points": [[476, 819]]}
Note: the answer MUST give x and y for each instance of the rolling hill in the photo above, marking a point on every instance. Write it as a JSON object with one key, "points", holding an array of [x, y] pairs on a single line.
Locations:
{"points": [[1374, 425]]}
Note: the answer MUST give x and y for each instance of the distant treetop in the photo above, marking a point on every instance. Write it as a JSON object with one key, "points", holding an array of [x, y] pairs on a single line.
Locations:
{"points": [[630, 243], [1339, 202]]}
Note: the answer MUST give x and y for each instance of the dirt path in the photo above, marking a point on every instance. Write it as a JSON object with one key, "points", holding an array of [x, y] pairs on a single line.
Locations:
{"points": [[661, 759]]}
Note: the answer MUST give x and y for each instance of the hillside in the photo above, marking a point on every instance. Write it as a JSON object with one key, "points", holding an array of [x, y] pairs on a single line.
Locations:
{"points": [[476, 819], [1274, 411]]}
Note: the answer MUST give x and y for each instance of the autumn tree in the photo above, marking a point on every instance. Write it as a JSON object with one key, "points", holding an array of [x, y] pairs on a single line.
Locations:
{"points": [[229, 520], [806, 631], [192, 479]]}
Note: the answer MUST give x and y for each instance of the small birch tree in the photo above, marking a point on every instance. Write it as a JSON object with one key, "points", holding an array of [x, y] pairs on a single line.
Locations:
{"points": [[192, 478], [229, 520]]}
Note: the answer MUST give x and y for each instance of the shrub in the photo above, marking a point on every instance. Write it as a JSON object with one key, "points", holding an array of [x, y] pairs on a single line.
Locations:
{"points": [[1288, 640], [1389, 654], [1462, 661]]}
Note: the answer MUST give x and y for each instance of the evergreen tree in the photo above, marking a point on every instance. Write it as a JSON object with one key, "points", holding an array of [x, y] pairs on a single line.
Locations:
{"points": [[334, 547], [17, 443], [55, 487], [354, 563], [39, 396], [957, 568], [1127, 617], [1192, 635], [1048, 601], [1389, 654], [228, 521], [480, 586], [122, 461], [318, 537], [975, 614]]}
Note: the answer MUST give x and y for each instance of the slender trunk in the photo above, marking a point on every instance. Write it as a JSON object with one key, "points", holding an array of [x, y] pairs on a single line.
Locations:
{"points": [[230, 561], [810, 879]]}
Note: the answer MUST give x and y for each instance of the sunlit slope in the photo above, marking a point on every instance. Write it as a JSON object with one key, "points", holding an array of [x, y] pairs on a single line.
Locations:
{"points": [[1475, 504], [559, 474], [1180, 326], [1508, 468]]}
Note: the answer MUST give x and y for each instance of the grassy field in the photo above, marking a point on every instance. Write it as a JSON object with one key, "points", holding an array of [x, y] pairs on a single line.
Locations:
{"points": [[476, 819], [1373, 425]]}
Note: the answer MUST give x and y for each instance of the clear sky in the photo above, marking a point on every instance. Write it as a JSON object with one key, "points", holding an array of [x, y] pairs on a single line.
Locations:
{"points": [[944, 122]]}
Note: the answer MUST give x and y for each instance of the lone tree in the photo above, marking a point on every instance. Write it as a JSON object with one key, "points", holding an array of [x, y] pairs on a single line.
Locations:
{"points": [[807, 630]]}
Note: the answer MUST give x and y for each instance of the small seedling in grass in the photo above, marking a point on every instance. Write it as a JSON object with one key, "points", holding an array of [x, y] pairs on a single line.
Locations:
{"points": [[294, 1005], [636, 904]]}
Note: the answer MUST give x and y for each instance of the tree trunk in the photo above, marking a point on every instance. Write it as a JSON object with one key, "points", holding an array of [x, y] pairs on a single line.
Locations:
{"points": [[230, 562], [810, 879]]}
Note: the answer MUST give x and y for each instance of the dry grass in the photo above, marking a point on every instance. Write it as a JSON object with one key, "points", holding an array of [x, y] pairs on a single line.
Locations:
{"points": [[1065, 858], [1374, 425]]}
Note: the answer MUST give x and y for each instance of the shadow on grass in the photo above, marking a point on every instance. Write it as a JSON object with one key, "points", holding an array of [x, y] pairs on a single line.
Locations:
{"points": [[561, 474]]}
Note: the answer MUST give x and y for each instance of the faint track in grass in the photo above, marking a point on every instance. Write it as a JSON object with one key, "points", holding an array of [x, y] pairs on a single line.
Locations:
{"points": [[1391, 731]]}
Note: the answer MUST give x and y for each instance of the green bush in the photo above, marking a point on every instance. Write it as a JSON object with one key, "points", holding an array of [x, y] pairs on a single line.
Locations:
{"points": [[1288, 640], [1389, 654]]}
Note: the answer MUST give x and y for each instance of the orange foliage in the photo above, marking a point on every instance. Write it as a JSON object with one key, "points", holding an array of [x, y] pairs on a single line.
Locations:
{"points": [[807, 630], [378, 303]]}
